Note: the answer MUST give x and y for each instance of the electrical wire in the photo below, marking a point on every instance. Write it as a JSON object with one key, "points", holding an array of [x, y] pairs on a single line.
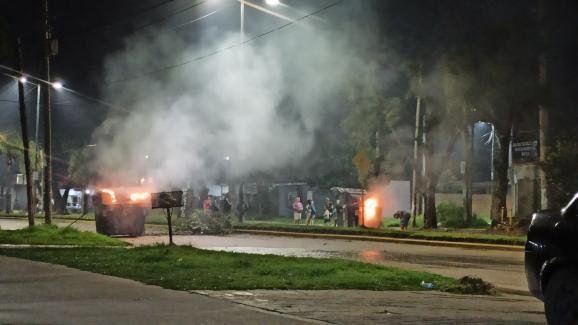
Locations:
{"points": [[129, 17], [230, 47], [165, 18], [40, 80]]}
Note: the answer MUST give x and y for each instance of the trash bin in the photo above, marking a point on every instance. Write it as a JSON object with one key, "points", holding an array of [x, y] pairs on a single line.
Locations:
{"points": [[118, 218]]}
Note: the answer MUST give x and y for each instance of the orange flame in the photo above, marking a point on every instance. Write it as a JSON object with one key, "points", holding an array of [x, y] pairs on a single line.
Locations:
{"points": [[138, 197], [110, 198], [371, 219]]}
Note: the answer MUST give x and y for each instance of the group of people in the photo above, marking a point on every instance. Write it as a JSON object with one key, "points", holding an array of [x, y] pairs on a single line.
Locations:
{"points": [[224, 205], [308, 211], [338, 213]]}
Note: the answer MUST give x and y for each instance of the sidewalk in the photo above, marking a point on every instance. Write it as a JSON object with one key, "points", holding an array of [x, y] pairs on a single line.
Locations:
{"points": [[40, 293]]}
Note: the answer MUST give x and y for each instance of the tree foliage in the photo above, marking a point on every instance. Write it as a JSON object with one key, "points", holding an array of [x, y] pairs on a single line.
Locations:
{"points": [[561, 170]]}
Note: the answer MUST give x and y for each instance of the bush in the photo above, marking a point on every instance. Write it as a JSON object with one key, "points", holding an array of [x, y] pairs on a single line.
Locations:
{"points": [[451, 215], [478, 223], [561, 171], [200, 222]]}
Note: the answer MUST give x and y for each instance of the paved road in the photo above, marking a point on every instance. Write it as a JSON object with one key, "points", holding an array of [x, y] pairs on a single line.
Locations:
{"points": [[504, 269]]}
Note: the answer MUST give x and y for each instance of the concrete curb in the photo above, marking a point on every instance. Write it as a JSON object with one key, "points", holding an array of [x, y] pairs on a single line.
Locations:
{"points": [[22, 246], [386, 240]]}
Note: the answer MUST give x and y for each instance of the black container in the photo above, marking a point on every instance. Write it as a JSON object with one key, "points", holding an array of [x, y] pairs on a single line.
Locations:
{"points": [[119, 219]]}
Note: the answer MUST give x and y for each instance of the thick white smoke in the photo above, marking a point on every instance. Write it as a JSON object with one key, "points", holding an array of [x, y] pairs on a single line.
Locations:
{"points": [[258, 105]]}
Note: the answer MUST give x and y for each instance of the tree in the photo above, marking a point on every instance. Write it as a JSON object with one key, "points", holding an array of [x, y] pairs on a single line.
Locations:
{"points": [[561, 171], [11, 149]]}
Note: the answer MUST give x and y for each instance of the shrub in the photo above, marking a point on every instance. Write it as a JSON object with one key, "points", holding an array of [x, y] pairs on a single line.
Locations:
{"points": [[451, 215], [478, 223], [561, 171], [201, 222]]}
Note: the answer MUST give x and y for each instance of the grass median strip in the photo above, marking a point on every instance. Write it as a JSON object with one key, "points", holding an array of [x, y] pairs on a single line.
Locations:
{"points": [[188, 268], [52, 235], [453, 236]]}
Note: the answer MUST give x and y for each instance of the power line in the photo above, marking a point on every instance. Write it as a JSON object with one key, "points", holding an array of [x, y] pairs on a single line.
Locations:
{"points": [[49, 84], [230, 47], [131, 16], [162, 19]]}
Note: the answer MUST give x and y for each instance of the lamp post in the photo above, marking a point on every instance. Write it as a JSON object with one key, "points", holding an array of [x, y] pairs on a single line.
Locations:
{"points": [[268, 2]]}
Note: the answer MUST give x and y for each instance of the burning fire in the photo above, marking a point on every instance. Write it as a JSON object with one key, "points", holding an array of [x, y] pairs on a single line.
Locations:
{"points": [[124, 196], [138, 197], [371, 217], [110, 198]]}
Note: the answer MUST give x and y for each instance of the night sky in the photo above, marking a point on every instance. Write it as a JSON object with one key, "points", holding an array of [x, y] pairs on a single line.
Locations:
{"points": [[89, 31]]}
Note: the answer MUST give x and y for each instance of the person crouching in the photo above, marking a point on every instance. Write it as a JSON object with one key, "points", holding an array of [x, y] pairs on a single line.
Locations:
{"points": [[403, 217]]}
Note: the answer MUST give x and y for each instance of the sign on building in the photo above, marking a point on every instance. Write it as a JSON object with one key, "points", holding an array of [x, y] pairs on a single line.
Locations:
{"points": [[525, 152]]}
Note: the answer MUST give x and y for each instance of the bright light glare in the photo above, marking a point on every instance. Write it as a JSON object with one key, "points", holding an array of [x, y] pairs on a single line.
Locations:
{"points": [[272, 2], [23, 79], [138, 197], [227, 158], [57, 85], [371, 217]]}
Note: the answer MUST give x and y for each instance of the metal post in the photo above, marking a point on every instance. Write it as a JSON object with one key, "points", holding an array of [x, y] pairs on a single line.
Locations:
{"points": [[242, 20], [37, 119], [170, 226]]}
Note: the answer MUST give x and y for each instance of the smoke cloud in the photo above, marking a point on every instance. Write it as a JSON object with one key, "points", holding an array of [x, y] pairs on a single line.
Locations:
{"points": [[253, 108]]}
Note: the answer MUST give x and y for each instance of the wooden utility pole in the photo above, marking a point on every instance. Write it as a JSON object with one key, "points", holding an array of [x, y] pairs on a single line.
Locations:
{"points": [[25, 141], [47, 119], [414, 174], [468, 135], [542, 115]]}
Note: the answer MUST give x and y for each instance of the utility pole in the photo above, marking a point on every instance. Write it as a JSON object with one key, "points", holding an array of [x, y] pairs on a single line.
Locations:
{"points": [[414, 176], [47, 119], [25, 141], [468, 133], [542, 115]]}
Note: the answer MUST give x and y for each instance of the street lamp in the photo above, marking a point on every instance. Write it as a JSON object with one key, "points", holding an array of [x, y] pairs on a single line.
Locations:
{"points": [[23, 79], [260, 8], [57, 85]]}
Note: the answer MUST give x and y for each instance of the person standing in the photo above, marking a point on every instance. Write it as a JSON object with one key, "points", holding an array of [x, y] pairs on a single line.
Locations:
{"points": [[310, 212], [242, 207], [328, 213], [207, 204], [339, 213], [297, 210], [227, 205]]}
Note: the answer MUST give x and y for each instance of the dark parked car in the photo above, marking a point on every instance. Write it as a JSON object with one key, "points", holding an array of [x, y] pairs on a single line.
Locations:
{"points": [[552, 262]]}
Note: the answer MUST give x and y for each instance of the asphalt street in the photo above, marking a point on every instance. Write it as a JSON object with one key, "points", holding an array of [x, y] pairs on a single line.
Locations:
{"points": [[504, 269]]}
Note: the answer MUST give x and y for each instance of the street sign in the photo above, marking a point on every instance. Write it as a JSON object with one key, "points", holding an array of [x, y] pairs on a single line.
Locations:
{"points": [[165, 200], [525, 152]]}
